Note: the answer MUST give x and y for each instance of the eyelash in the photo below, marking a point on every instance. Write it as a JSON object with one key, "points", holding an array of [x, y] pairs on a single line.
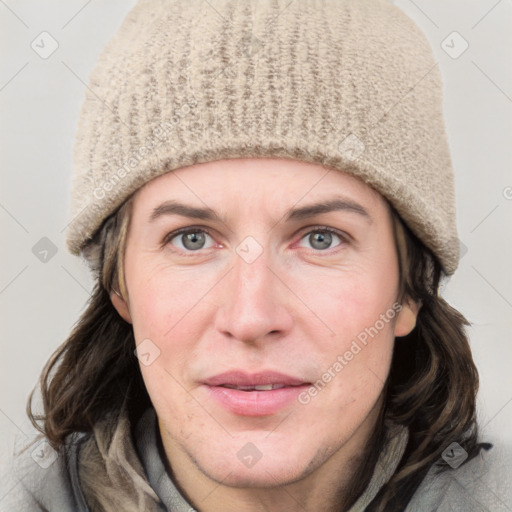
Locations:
{"points": [[315, 229]]}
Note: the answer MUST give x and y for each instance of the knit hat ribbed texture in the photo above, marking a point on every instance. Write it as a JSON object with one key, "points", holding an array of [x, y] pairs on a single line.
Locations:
{"points": [[351, 85]]}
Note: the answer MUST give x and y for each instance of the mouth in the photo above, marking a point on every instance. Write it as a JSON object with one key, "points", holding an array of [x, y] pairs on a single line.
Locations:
{"points": [[263, 387], [259, 394]]}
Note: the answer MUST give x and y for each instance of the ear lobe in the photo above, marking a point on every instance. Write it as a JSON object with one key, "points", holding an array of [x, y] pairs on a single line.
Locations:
{"points": [[406, 320], [121, 306]]}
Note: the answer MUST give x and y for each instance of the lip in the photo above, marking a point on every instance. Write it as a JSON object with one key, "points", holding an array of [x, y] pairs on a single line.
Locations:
{"points": [[254, 403], [241, 378]]}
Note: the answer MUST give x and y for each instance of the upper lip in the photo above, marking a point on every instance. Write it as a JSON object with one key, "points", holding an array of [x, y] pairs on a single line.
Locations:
{"points": [[242, 378]]}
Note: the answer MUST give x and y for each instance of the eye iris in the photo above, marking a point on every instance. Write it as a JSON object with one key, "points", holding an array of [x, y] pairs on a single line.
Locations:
{"points": [[320, 240], [193, 240]]}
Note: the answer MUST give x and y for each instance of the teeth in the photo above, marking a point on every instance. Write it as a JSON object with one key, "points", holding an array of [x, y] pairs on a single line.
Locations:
{"points": [[263, 387]]}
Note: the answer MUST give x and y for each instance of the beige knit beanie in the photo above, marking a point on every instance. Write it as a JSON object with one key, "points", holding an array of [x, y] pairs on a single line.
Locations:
{"points": [[348, 84]]}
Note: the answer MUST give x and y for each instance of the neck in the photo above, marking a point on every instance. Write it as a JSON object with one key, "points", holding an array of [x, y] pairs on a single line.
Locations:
{"points": [[364, 467]]}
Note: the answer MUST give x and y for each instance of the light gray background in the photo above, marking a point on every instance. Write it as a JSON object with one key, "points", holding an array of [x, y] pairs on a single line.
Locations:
{"points": [[40, 101]]}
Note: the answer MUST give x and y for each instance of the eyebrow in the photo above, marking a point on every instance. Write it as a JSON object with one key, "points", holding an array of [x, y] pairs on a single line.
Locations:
{"points": [[172, 207], [328, 206]]}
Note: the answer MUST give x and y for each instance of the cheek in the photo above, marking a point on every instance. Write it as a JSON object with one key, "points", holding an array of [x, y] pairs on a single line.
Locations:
{"points": [[169, 316], [160, 313], [355, 304], [153, 312], [162, 299], [361, 309]]}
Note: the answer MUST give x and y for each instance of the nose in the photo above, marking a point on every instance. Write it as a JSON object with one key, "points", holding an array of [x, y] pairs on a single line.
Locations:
{"points": [[255, 302]]}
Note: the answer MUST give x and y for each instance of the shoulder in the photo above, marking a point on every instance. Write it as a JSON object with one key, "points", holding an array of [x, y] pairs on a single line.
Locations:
{"points": [[39, 478], [481, 484]]}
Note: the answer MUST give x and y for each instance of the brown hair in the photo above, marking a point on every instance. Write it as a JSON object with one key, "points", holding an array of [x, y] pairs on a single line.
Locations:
{"points": [[433, 381], [431, 387]]}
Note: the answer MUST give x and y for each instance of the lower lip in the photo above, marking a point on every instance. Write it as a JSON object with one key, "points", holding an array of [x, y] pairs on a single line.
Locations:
{"points": [[255, 403]]}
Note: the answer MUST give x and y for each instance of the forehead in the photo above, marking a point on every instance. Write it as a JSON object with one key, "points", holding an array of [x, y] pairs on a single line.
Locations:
{"points": [[273, 180]]}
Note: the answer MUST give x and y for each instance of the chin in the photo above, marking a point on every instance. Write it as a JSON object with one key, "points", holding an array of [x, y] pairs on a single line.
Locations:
{"points": [[240, 471], [265, 476]]}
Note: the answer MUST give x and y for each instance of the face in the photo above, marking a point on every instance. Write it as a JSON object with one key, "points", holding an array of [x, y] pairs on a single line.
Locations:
{"points": [[258, 272]]}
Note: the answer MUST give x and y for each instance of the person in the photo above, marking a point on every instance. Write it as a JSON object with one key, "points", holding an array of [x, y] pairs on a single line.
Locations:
{"points": [[264, 193]]}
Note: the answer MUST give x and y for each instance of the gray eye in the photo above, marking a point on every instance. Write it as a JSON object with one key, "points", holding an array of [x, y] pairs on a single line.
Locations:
{"points": [[191, 240], [320, 240]]}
